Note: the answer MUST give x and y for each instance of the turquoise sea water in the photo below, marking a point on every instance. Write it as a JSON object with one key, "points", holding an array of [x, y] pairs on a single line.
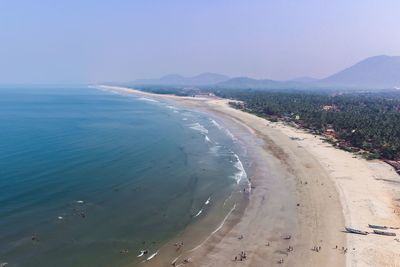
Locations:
{"points": [[87, 173]]}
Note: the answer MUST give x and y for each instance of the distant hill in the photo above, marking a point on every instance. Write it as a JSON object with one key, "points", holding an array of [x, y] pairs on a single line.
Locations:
{"points": [[373, 72], [246, 82], [222, 81], [250, 83], [175, 79]]}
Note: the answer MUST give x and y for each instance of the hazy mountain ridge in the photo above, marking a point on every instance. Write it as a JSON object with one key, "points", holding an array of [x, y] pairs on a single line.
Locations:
{"points": [[206, 78], [247, 82], [373, 72]]}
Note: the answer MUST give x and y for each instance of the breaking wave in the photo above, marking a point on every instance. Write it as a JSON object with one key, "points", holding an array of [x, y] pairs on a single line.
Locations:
{"points": [[198, 127], [216, 124], [228, 133], [148, 99], [241, 173], [172, 107], [198, 213], [152, 255], [216, 230]]}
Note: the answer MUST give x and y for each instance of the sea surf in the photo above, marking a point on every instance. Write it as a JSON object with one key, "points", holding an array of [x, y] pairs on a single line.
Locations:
{"points": [[91, 178]]}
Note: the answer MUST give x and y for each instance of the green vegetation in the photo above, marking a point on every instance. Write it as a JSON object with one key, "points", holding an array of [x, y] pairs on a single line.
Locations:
{"points": [[368, 121]]}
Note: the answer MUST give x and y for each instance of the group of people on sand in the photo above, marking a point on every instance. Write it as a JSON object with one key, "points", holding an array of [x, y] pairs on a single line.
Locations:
{"points": [[343, 249], [178, 246], [289, 249], [242, 256], [316, 248]]}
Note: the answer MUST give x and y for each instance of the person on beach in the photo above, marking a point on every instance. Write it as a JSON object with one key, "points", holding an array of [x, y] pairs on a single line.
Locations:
{"points": [[35, 237]]}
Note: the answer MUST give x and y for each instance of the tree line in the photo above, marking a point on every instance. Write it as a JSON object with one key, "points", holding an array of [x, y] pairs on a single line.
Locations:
{"points": [[365, 120]]}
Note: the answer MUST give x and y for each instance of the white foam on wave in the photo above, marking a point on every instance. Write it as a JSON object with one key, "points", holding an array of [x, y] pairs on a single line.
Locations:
{"points": [[227, 199], [187, 113], [241, 173], [198, 213], [152, 255], [172, 107], [207, 201], [215, 150], [114, 92], [198, 127], [228, 133], [184, 119], [216, 124], [207, 138], [148, 99], [216, 230]]}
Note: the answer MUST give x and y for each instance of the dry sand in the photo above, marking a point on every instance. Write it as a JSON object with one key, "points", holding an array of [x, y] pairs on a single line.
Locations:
{"points": [[304, 188]]}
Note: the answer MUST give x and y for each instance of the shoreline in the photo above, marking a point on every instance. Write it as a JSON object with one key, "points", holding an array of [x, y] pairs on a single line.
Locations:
{"points": [[304, 188]]}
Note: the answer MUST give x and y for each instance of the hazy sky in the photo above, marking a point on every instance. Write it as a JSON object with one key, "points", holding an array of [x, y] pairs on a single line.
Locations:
{"points": [[90, 41]]}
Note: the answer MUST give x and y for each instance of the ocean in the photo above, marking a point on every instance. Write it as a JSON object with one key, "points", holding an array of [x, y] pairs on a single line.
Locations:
{"points": [[91, 178]]}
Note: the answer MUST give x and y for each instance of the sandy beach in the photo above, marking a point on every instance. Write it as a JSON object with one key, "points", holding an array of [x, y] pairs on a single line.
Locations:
{"points": [[304, 193]]}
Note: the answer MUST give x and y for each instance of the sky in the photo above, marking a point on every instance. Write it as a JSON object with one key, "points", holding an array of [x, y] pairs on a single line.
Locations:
{"points": [[89, 41]]}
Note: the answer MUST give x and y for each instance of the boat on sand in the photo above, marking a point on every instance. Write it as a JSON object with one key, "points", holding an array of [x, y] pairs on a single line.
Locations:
{"points": [[378, 232], [356, 231], [377, 226]]}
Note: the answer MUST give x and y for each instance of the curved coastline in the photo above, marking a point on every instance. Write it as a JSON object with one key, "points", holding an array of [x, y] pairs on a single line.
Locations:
{"points": [[303, 188]]}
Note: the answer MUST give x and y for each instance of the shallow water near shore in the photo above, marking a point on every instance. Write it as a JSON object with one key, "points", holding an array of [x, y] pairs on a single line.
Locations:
{"points": [[90, 178]]}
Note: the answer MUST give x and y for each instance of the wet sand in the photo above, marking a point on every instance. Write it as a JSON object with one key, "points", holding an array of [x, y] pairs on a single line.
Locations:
{"points": [[303, 188]]}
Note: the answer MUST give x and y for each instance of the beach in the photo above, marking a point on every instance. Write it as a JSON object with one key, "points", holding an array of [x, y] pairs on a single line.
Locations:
{"points": [[304, 192]]}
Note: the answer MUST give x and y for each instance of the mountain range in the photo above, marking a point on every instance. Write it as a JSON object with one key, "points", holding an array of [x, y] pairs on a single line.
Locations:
{"points": [[176, 79], [374, 72]]}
